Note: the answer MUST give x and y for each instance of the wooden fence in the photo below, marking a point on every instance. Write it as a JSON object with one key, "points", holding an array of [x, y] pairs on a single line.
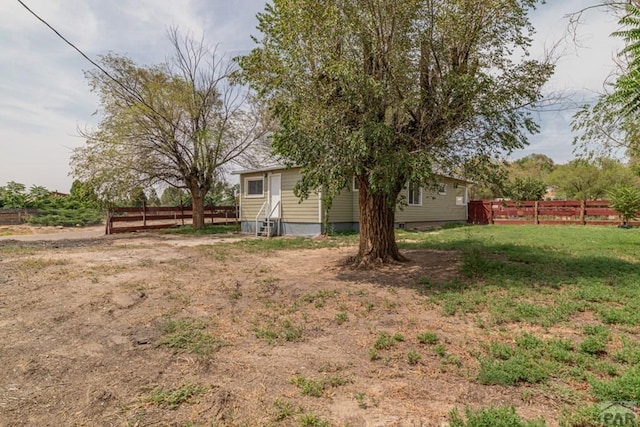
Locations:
{"points": [[155, 218], [561, 212], [15, 216]]}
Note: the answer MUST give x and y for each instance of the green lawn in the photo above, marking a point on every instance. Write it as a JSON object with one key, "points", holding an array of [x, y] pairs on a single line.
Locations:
{"points": [[548, 279]]}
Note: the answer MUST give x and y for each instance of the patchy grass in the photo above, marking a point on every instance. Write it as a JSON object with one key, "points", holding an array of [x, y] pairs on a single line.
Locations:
{"points": [[545, 277], [524, 316], [278, 332], [173, 398], [312, 420], [316, 387], [206, 230], [429, 338], [491, 417], [188, 335]]}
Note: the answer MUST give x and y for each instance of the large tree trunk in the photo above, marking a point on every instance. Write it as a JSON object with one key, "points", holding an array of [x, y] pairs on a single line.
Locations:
{"points": [[377, 234], [197, 206]]}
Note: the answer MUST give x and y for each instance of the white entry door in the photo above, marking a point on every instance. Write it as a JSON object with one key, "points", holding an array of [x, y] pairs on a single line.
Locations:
{"points": [[274, 195]]}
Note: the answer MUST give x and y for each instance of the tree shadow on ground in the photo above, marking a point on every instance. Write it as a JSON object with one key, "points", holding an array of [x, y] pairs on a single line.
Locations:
{"points": [[461, 265]]}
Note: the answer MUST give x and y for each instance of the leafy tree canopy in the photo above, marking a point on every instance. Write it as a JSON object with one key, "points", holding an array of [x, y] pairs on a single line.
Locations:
{"points": [[391, 92], [521, 189], [590, 180]]}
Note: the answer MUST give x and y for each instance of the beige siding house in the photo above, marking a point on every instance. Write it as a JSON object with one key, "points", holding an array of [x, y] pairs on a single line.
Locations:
{"points": [[268, 205]]}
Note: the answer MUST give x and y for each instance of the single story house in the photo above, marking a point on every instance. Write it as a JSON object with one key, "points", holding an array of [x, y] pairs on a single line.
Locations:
{"points": [[269, 207]]}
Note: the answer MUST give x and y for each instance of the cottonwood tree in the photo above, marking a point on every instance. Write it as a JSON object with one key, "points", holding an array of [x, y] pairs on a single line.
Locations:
{"points": [[180, 123], [393, 91]]}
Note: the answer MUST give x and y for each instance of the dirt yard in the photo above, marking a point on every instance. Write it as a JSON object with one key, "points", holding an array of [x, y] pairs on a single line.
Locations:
{"points": [[180, 331]]}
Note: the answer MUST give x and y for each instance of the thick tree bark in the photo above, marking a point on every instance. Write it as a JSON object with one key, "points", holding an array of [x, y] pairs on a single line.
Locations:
{"points": [[377, 234], [197, 206]]}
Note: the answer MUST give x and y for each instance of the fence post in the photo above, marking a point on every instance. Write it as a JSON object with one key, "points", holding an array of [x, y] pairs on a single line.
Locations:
{"points": [[108, 224], [490, 212], [213, 214], [536, 207], [583, 208], [144, 214]]}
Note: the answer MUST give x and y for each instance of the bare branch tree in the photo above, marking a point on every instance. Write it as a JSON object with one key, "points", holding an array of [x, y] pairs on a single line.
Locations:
{"points": [[181, 123]]}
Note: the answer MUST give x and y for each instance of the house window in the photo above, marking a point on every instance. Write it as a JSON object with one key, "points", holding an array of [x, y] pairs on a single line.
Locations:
{"points": [[461, 196], [355, 184], [415, 195], [442, 189], [254, 187]]}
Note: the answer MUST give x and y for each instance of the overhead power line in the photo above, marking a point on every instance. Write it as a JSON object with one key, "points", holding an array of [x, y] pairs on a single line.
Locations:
{"points": [[95, 64]]}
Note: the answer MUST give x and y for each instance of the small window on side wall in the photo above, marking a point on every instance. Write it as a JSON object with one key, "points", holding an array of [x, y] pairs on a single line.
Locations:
{"points": [[461, 195], [414, 198], [442, 188], [254, 187]]}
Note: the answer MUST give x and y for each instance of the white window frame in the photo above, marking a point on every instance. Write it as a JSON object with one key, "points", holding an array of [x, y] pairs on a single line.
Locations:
{"points": [[246, 187], [353, 184], [409, 196], [465, 195], [442, 188]]}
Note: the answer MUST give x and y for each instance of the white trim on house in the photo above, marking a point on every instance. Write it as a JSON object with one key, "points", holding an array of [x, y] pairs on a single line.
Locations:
{"points": [[275, 201], [354, 184], [320, 206], [442, 188], [246, 187]]}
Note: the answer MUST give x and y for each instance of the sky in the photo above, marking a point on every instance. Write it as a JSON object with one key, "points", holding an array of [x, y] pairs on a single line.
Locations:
{"points": [[45, 99]]}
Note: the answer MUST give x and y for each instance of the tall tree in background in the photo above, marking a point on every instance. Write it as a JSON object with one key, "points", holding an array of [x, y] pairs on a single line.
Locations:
{"points": [[393, 91], [179, 123], [590, 180]]}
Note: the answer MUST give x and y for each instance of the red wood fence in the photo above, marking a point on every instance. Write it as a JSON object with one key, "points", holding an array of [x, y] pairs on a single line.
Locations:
{"points": [[560, 212], [155, 218]]}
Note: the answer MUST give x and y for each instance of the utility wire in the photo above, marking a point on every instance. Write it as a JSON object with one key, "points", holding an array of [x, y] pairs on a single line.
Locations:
{"points": [[95, 64]]}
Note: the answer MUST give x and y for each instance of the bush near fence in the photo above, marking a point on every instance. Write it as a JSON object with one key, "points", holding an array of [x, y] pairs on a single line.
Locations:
{"points": [[556, 212]]}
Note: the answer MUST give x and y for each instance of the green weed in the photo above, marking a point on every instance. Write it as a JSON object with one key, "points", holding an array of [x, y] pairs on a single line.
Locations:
{"points": [[278, 333], [429, 338], [491, 417], [283, 410], [316, 387], [341, 317], [313, 420], [413, 357], [174, 398], [188, 335], [625, 387], [385, 341]]}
